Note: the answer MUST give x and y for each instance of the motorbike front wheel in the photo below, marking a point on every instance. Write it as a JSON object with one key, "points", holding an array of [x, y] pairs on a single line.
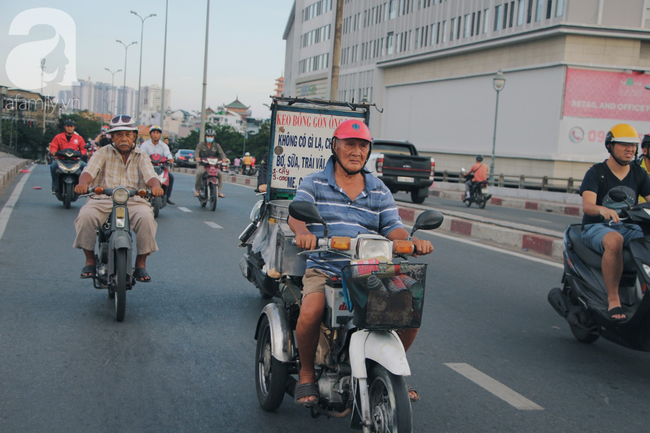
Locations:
{"points": [[213, 196], [390, 406], [120, 284], [270, 374], [157, 204], [68, 193]]}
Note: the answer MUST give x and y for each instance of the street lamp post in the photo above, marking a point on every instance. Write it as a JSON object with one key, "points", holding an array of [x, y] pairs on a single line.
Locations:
{"points": [[126, 50], [137, 107], [246, 132], [113, 89], [3, 93], [498, 82]]}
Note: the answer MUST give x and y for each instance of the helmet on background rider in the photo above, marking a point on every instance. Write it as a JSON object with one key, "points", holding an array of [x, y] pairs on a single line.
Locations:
{"points": [[69, 122], [155, 128], [210, 134], [621, 133], [479, 158], [104, 129], [645, 143], [352, 128], [247, 154]]}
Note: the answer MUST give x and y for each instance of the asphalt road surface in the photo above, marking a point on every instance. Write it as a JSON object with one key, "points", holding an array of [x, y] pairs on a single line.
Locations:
{"points": [[491, 356]]}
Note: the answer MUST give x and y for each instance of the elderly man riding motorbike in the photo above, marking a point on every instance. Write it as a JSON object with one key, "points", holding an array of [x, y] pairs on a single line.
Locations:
{"points": [[121, 164], [370, 209]]}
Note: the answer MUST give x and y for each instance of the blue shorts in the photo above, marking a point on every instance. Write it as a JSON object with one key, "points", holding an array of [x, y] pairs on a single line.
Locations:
{"points": [[593, 234]]}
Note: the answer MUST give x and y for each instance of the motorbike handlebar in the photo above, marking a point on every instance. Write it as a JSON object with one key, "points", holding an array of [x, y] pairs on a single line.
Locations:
{"points": [[144, 193]]}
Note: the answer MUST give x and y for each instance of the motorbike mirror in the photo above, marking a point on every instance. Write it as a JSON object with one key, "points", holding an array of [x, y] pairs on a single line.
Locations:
{"points": [[428, 220], [305, 212], [617, 195]]}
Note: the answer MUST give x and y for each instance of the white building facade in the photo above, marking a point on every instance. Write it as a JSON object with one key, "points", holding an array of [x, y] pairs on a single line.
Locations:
{"points": [[573, 69]]}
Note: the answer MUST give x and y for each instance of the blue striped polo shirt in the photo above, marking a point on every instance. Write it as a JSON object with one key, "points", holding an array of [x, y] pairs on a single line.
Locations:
{"points": [[373, 211]]}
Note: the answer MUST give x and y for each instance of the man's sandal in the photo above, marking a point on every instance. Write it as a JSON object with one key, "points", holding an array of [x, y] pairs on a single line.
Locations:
{"points": [[88, 271], [306, 390], [410, 390], [141, 275]]}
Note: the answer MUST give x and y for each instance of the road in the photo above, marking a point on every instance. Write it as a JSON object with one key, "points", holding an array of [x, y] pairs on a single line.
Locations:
{"points": [[491, 355]]}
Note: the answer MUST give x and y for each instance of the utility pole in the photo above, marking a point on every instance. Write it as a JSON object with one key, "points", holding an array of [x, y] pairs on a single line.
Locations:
{"points": [[42, 94], [336, 51], [205, 76], [162, 96]]}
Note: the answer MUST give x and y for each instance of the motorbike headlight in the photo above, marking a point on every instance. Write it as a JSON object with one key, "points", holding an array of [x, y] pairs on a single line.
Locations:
{"points": [[367, 248], [121, 195], [212, 161]]}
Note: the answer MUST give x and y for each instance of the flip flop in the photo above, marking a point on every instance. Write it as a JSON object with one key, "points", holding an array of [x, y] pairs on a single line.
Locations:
{"points": [[222, 195], [410, 389], [306, 390], [616, 311], [88, 269], [141, 274]]}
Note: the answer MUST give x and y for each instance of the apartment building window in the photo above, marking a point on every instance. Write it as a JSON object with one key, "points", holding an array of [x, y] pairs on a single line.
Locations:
{"points": [[453, 28], [389, 43], [444, 32], [559, 8], [478, 23], [398, 41], [424, 36], [392, 9], [468, 25], [549, 7], [434, 37], [512, 14], [486, 20], [538, 12], [417, 38], [505, 15], [498, 17], [521, 10]]}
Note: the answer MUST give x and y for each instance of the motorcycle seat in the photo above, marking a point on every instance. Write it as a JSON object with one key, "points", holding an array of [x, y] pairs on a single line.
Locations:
{"points": [[591, 257]]}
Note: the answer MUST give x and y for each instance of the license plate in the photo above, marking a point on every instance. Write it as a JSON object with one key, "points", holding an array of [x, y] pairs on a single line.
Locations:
{"points": [[485, 190], [191, 160], [405, 179]]}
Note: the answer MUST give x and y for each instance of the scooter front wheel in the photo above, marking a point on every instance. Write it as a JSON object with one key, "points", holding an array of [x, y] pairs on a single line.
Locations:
{"points": [[213, 196], [270, 374], [68, 193], [157, 204], [582, 335], [120, 285], [390, 405]]}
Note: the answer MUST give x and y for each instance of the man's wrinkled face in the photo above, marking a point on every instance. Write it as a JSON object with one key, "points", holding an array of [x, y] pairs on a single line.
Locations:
{"points": [[123, 140], [155, 135], [352, 153]]}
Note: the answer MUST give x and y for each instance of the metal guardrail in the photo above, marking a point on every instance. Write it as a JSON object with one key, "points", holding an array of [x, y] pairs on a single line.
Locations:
{"points": [[539, 183], [10, 150]]}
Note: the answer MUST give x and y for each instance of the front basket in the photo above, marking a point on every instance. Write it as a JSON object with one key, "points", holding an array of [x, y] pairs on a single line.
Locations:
{"points": [[385, 296]]}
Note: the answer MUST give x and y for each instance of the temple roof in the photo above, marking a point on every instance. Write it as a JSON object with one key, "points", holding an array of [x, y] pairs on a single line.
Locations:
{"points": [[236, 104]]}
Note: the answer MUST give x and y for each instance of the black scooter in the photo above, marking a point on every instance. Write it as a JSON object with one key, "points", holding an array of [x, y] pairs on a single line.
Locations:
{"points": [[477, 192], [582, 301], [68, 170]]}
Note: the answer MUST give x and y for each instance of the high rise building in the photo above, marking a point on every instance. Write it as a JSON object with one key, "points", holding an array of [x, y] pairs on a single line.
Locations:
{"points": [[573, 70]]}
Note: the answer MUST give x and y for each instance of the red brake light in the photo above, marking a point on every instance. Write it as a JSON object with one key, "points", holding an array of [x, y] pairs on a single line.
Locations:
{"points": [[380, 165], [433, 169]]}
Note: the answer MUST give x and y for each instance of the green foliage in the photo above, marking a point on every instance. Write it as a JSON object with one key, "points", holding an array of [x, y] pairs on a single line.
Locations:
{"points": [[189, 142]]}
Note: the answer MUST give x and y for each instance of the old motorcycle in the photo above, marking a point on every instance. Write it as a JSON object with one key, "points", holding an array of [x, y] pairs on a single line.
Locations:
{"points": [[208, 191], [360, 360], [160, 166]]}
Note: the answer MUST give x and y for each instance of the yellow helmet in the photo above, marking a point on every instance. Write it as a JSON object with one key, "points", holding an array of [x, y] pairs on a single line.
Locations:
{"points": [[621, 133]]}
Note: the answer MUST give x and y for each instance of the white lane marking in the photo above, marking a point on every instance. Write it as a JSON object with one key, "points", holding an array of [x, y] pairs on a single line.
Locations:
{"points": [[9, 206], [184, 209], [213, 225], [540, 220], [491, 248], [497, 388]]}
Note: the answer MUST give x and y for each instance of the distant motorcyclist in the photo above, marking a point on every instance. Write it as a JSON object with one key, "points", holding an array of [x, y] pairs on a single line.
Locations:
{"points": [[247, 161], [351, 201], [120, 164], [103, 138], [66, 140], [155, 146], [477, 174], [644, 161], [209, 148]]}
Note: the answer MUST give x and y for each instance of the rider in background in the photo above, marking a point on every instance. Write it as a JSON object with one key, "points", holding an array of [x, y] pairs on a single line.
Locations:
{"points": [[209, 148], [610, 239], [155, 146], [351, 201], [66, 140], [480, 172], [645, 158]]}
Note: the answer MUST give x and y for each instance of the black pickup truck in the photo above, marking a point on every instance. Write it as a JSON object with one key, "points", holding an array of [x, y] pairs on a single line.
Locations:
{"points": [[399, 166]]}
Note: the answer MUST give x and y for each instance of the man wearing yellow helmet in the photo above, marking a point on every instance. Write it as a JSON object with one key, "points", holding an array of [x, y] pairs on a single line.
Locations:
{"points": [[609, 239]]}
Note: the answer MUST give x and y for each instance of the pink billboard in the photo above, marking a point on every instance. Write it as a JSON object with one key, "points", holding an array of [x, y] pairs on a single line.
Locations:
{"points": [[607, 95]]}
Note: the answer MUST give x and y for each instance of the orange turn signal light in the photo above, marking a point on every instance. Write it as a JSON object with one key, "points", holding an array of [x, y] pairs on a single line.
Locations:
{"points": [[142, 193], [340, 243], [99, 190], [403, 247]]}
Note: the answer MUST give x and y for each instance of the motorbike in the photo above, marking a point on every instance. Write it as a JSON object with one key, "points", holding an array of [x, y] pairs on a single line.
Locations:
{"points": [[225, 166], [160, 166], [68, 170], [582, 300], [478, 192], [360, 360], [114, 252], [208, 191], [248, 170]]}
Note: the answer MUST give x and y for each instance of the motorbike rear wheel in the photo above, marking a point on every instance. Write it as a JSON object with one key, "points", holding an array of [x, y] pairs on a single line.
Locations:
{"points": [[390, 406], [483, 201], [120, 284], [213, 196], [68, 193], [270, 374], [157, 204]]}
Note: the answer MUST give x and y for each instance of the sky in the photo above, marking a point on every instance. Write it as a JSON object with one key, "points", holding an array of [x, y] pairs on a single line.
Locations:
{"points": [[78, 40]]}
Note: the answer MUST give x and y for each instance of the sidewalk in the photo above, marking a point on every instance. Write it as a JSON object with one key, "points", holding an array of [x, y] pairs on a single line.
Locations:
{"points": [[10, 166]]}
